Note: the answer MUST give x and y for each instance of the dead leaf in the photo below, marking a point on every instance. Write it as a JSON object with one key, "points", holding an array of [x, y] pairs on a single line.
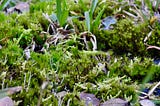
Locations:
{"points": [[20, 8], [115, 102], [153, 47], [14, 90], [6, 101], [89, 99], [9, 91], [146, 102], [27, 53], [61, 94], [108, 21]]}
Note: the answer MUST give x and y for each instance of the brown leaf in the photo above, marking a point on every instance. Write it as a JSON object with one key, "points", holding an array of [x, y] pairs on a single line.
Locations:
{"points": [[6, 101], [9, 91], [146, 102], [14, 90], [20, 8], [89, 99], [64, 31], [115, 102], [61, 94]]}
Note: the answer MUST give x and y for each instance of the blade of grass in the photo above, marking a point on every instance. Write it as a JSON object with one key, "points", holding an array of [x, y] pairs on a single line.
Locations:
{"points": [[97, 21], [4, 4], [64, 14], [87, 18], [93, 6], [81, 3], [62, 11], [58, 8], [91, 11], [158, 2]]}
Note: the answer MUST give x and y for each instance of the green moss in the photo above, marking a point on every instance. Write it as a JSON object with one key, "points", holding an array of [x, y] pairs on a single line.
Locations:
{"points": [[108, 8], [2, 17], [9, 29], [11, 53], [124, 38], [42, 7], [66, 66], [79, 25], [80, 7]]}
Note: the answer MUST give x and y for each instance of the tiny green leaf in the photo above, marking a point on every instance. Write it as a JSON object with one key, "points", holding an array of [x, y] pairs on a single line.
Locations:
{"points": [[97, 21], [88, 23], [93, 6]]}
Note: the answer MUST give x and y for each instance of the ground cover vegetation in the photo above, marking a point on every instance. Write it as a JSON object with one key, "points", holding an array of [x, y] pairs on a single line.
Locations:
{"points": [[80, 52]]}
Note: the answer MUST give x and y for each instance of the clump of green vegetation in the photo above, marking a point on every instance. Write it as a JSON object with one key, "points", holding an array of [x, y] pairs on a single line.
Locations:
{"points": [[124, 38], [80, 7], [137, 68], [42, 6], [115, 70]]}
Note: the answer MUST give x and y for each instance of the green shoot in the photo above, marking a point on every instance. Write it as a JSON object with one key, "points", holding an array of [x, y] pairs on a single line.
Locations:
{"points": [[62, 11], [97, 21], [90, 22]]}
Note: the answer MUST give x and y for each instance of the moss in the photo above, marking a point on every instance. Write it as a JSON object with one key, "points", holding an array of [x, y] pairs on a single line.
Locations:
{"points": [[80, 7], [11, 53], [9, 29], [79, 25], [42, 7], [66, 66], [124, 38], [2, 15], [108, 8], [137, 68]]}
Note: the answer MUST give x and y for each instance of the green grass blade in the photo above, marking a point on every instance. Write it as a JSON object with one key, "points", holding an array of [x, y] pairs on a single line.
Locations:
{"points": [[59, 11], [64, 5], [93, 6], [62, 11], [64, 18], [98, 19], [4, 4], [81, 3], [64, 14], [158, 2], [87, 18]]}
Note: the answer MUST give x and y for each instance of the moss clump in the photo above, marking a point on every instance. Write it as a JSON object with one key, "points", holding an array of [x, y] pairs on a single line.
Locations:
{"points": [[11, 53], [80, 7], [137, 68], [108, 8], [124, 38], [42, 6], [9, 28]]}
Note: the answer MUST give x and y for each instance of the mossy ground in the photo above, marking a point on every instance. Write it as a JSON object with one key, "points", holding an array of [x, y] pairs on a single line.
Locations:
{"points": [[68, 66]]}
